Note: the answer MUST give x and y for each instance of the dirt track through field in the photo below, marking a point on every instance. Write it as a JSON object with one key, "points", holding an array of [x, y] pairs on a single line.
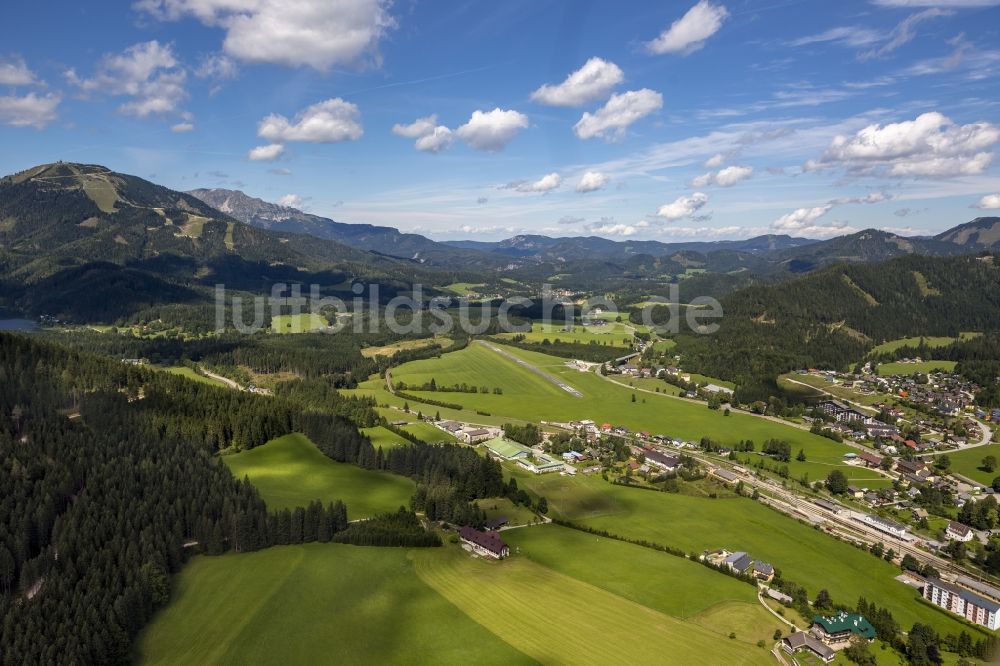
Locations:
{"points": [[544, 375]]}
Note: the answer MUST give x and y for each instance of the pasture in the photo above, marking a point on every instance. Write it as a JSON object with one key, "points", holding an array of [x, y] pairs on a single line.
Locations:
{"points": [[887, 369], [969, 462], [290, 471], [804, 554], [929, 341], [528, 396], [314, 603], [383, 437], [612, 334], [554, 618], [405, 345], [300, 323], [189, 373]]}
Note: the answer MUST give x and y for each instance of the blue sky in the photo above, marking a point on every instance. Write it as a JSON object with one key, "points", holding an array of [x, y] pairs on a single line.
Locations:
{"points": [[661, 120]]}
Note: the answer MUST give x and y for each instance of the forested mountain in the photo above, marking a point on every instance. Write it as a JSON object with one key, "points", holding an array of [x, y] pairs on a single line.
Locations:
{"points": [[832, 317], [981, 233], [384, 240], [81, 242]]}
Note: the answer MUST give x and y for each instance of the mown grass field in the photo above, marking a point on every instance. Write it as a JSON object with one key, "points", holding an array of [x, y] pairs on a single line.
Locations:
{"points": [[384, 437], [612, 334], [531, 397], [930, 341], [312, 604], [694, 524], [405, 345], [669, 584], [969, 462], [290, 471], [554, 618], [515, 514], [301, 323], [187, 372], [428, 433], [887, 369]]}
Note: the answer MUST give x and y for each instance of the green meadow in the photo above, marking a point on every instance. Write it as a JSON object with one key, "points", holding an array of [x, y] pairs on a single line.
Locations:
{"points": [[529, 396], [184, 371], [315, 603], [300, 323], [383, 437], [887, 369], [694, 524], [555, 618], [613, 334], [969, 462], [930, 341], [290, 471]]}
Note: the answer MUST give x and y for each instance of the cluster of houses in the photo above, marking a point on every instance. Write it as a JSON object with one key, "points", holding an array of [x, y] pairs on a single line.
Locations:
{"points": [[742, 563], [830, 634]]}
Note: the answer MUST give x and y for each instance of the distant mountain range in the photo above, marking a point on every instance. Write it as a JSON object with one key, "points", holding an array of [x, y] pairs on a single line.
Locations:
{"points": [[761, 253]]}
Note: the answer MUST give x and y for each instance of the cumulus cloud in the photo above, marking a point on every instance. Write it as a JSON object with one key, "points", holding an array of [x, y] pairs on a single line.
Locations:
{"points": [[546, 183], [148, 73], [988, 202], [929, 146], [29, 110], [688, 33], [611, 120], [291, 201], [14, 72], [714, 161], [330, 121], [315, 33], [492, 130], [180, 128], [683, 206], [617, 229], [800, 218], [430, 137], [870, 198], [592, 82], [272, 151], [592, 181], [724, 177]]}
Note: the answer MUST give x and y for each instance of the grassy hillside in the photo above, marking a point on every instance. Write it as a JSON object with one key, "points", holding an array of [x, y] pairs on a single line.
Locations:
{"points": [[316, 603], [290, 471], [693, 524]]}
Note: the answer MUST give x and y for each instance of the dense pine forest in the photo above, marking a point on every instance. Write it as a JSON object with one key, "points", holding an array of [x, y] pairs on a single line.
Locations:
{"points": [[109, 481]]}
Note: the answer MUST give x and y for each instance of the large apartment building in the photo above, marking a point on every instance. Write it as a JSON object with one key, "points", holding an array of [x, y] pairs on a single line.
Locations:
{"points": [[976, 602]]}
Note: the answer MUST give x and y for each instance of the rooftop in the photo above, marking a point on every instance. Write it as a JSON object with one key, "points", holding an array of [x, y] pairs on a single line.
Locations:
{"points": [[846, 622]]}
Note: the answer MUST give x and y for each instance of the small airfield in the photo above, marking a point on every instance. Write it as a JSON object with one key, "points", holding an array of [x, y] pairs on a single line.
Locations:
{"points": [[528, 396], [291, 472]]}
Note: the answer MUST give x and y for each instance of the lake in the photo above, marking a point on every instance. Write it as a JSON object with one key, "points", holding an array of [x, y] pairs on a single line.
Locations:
{"points": [[17, 325]]}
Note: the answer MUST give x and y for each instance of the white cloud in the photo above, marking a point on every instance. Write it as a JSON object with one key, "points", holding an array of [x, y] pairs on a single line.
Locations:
{"points": [[14, 72], [724, 177], [683, 206], [570, 219], [849, 35], [904, 32], [439, 139], [280, 171], [929, 146], [316, 33], [800, 218], [430, 137], [180, 128], [149, 73], [714, 161], [870, 198], [610, 121], [731, 175], [330, 121], [418, 128], [216, 66], [988, 202], [31, 110], [272, 151], [546, 183], [592, 82], [291, 201], [592, 181], [492, 130], [688, 33], [616, 229]]}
